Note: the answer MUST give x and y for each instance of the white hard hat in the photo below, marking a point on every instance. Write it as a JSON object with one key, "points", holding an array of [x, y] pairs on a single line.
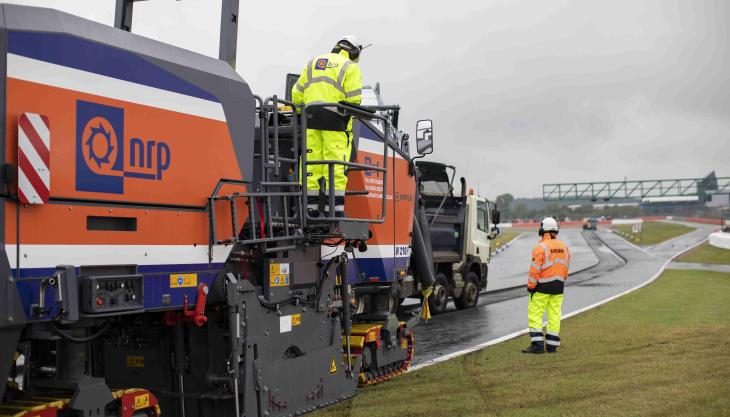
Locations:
{"points": [[354, 41], [549, 224]]}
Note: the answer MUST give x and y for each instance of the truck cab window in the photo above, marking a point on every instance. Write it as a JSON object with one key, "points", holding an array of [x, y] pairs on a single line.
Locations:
{"points": [[482, 223]]}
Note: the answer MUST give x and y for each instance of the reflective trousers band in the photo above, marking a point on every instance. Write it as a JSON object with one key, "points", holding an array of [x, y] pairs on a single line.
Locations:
{"points": [[537, 339], [555, 334], [553, 342], [551, 338]]}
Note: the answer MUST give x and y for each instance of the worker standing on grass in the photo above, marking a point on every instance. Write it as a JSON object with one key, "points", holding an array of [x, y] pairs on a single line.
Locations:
{"points": [[329, 78], [548, 272]]}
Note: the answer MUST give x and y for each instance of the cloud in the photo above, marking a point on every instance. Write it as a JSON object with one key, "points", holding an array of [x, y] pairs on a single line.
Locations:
{"points": [[521, 92]]}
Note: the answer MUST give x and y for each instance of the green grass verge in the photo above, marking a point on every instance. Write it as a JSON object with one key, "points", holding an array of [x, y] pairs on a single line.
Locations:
{"points": [[653, 232], [662, 350], [707, 254], [505, 236]]}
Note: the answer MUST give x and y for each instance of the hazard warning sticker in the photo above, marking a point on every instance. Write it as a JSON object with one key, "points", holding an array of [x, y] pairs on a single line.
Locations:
{"points": [[183, 280], [278, 275], [141, 401], [333, 366]]}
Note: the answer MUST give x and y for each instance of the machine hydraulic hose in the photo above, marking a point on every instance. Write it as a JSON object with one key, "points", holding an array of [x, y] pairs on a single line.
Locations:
{"points": [[422, 260]]}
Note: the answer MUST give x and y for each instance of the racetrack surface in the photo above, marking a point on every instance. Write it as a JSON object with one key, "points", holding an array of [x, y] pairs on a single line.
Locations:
{"points": [[621, 266]]}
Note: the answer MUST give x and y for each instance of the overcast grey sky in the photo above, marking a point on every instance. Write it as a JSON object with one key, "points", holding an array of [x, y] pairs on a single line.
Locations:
{"points": [[521, 92]]}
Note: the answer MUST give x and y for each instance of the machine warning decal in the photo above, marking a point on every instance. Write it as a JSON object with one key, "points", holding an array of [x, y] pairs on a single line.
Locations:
{"points": [[141, 401], [333, 366], [296, 319], [135, 361], [285, 324], [278, 275], [183, 280]]}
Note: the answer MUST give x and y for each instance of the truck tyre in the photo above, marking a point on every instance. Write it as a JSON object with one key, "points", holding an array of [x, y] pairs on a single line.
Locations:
{"points": [[439, 298], [470, 294]]}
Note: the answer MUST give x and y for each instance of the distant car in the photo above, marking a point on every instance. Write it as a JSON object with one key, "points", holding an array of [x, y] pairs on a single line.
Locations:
{"points": [[590, 223]]}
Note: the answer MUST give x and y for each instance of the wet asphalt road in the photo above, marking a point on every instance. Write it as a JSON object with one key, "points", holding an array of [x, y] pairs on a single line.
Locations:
{"points": [[509, 268], [666, 250], [621, 266]]}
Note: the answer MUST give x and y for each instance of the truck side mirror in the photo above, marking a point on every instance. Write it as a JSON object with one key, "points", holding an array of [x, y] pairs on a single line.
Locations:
{"points": [[493, 233], [424, 137], [495, 216]]}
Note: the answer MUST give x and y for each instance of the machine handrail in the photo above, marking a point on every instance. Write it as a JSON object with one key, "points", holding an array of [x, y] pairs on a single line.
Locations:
{"points": [[357, 113]]}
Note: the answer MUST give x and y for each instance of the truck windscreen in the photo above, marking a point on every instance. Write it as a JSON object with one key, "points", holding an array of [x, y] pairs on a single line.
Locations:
{"points": [[434, 187]]}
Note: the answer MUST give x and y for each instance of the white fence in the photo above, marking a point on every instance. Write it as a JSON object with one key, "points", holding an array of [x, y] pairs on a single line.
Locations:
{"points": [[626, 221]]}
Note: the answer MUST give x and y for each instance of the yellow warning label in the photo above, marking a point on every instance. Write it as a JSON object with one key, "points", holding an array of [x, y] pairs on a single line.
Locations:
{"points": [[183, 280], [135, 361], [141, 401], [296, 319], [278, 275], [403, 343], [333, 366]]}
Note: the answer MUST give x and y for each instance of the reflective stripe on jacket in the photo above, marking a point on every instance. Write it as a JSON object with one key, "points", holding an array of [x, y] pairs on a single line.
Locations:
{"points": [[549, 268], [329, 78]]}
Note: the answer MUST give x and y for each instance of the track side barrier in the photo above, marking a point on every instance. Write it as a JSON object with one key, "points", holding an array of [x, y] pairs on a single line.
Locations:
{"points": [[720, 240]]}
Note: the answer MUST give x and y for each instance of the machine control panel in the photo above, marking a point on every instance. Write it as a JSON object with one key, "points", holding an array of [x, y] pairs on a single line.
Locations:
{"points": [[112, 293]]}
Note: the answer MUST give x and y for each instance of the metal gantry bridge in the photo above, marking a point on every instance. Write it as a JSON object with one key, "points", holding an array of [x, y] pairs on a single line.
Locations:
{"points": [[594, 191]]}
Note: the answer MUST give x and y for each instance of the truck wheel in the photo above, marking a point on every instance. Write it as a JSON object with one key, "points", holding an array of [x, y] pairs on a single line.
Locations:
{"points": [[439, 298], [470, 294]]}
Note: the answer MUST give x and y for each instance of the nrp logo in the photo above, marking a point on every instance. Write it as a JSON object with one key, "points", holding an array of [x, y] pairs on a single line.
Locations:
{"points": [[103, 160]]}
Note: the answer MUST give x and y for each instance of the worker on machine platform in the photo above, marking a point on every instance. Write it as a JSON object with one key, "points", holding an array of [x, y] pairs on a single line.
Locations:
{"points": [[330, 78], [548, 272]]}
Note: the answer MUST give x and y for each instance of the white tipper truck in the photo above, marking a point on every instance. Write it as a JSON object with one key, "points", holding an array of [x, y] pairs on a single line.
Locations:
{"points": [[461, 228]]}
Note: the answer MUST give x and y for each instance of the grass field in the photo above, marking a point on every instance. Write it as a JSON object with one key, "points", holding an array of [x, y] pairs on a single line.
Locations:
{"points": [[505, 236], [653, 232], [706, 254], [660, 351]]}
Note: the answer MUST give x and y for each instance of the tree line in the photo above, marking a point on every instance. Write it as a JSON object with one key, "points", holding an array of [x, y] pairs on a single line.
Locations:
{"points": [[517, 210]]}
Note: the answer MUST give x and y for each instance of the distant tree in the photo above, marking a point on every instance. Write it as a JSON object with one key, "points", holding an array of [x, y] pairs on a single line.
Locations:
{"points": [[521, 212], [552, 209], [504, 203]]}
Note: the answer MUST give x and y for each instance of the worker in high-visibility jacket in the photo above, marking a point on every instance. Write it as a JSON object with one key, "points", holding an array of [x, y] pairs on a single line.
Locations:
{"points": [[329, 78], [548, 272]]}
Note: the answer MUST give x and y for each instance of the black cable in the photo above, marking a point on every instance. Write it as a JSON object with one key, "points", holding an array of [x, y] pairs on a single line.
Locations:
{"points": [[73, 339], [334, 245], [320, 282]]}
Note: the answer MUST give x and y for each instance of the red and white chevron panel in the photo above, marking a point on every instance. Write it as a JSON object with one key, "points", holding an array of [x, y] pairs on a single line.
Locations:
{"points": [[34, 158]]}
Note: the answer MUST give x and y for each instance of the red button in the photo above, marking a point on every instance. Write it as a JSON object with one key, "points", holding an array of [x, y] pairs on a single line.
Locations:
{"points": [[99, 302]]}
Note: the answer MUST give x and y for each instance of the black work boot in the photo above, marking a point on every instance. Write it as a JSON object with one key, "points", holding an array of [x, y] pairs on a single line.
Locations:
{"points": [[551, 349], [535, 347]]}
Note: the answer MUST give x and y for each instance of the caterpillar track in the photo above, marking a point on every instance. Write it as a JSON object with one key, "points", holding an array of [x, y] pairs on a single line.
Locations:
{"points": [[381, 359], [127, 402]]}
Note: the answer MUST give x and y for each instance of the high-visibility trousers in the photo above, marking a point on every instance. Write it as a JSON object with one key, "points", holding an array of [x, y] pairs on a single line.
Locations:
{"points": [[328, 145], [539, 302]]}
